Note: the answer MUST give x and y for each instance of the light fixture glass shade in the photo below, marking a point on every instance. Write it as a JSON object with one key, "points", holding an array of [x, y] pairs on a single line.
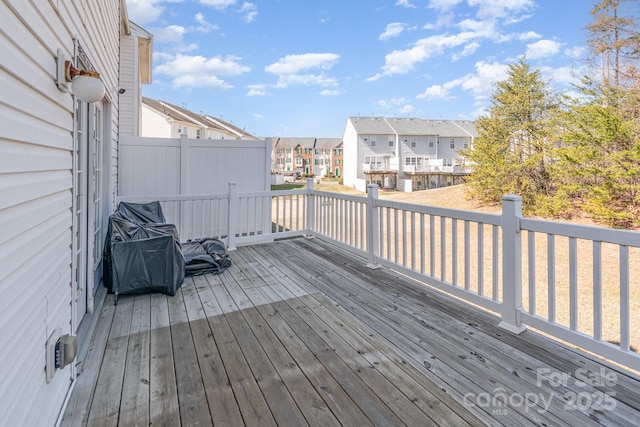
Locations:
{"points": [[87, 88]]}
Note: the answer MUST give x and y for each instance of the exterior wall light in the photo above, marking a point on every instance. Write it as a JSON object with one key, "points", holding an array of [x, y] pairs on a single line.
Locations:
{"points": [[85, 84]]}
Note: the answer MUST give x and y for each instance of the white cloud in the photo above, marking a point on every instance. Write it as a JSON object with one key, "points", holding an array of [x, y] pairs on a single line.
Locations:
{"points": [[469, 49], [443, 5], [169, 34], [492, 9], [393, 29], [143, 12], [250, 11], [575, 52], [258, 117], [479, 84], [198, 71], [407, 109], [287, 80], [173, 35], [257, 90], [330, 92], [403, 61], [434, 92], [542, 49], [218, 4], [529, 35], [204, 26], [292, 64], [383, 104], [405, 3]]}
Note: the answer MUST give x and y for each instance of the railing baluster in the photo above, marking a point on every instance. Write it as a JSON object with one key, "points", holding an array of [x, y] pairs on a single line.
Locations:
{"points": [[389, 234], [531, 245], [413, 240], [363, 223], [422, 257], [454, 251], [573, 283], [443, 249], [597, 290], [432, 246], [396, 236], [551, 280], [624, 298], [496, 260], [404, 238], [480, 259], [467, 256]]}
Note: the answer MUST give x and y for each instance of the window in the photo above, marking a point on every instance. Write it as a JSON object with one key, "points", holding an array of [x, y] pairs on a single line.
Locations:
{"points": [[447, 162], [372, 141], [466, 144], [391, 142], [432, 141], [308, 151], [298, 161], [337, 162], [337, 152], [414, 141], [298, 150], [197, 133], [307, 161], [413, 161], [373, 160], [452, 143]]}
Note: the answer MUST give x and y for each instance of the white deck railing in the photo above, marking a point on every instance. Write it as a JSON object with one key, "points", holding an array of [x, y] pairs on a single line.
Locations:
{"points": [[570, 281]]}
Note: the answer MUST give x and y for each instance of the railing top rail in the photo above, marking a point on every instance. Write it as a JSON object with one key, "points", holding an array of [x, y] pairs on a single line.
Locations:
{"points": [[347, 197], [275, 193], [172, 197], [480, 217], [587, 232]]}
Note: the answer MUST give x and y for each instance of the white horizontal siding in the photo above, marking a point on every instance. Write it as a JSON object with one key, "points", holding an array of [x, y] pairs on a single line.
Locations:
{"points": [[36, 188], [128, 116], [154, 125]]}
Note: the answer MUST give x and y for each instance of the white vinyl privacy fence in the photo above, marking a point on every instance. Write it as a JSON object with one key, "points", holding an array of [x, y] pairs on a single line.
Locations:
{"points": [[577, 283], [195, 173], [161, 166]]}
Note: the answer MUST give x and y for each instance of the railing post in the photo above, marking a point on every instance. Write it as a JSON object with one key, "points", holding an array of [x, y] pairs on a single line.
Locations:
{"points": [[511, 264], [233, 214], [184, 189], [373, 242], [311, 209]]}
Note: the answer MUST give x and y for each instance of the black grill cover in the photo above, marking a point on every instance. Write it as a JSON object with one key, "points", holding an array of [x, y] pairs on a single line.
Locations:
{"points": [[142, 254]]}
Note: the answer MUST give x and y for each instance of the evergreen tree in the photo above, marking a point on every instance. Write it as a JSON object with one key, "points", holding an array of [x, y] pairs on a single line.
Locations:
{"points": [[511, 152], [598, 163]]}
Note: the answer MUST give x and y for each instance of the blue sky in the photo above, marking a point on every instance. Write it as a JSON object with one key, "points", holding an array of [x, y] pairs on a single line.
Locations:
{"points": [[299, 68]]}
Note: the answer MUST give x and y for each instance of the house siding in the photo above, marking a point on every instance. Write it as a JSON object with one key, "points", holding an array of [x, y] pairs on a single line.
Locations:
{"points": [[128, 116], [36, 187], [154, 125]]}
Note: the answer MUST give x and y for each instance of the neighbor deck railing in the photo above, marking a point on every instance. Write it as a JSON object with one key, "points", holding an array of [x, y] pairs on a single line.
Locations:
{"points": [[570, 281]]}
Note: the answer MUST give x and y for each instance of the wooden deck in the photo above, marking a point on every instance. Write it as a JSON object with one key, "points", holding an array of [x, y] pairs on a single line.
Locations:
{"points": [[301, 333]]}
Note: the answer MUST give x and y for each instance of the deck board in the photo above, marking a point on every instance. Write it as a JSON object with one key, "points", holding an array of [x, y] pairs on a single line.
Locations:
{"points": [[299, 332]]}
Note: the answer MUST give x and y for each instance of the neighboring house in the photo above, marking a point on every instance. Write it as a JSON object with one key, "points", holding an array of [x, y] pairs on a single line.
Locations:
{"points": [[405, 153], [161, 119], [338, 159], [309, 156], [58, 184]]}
